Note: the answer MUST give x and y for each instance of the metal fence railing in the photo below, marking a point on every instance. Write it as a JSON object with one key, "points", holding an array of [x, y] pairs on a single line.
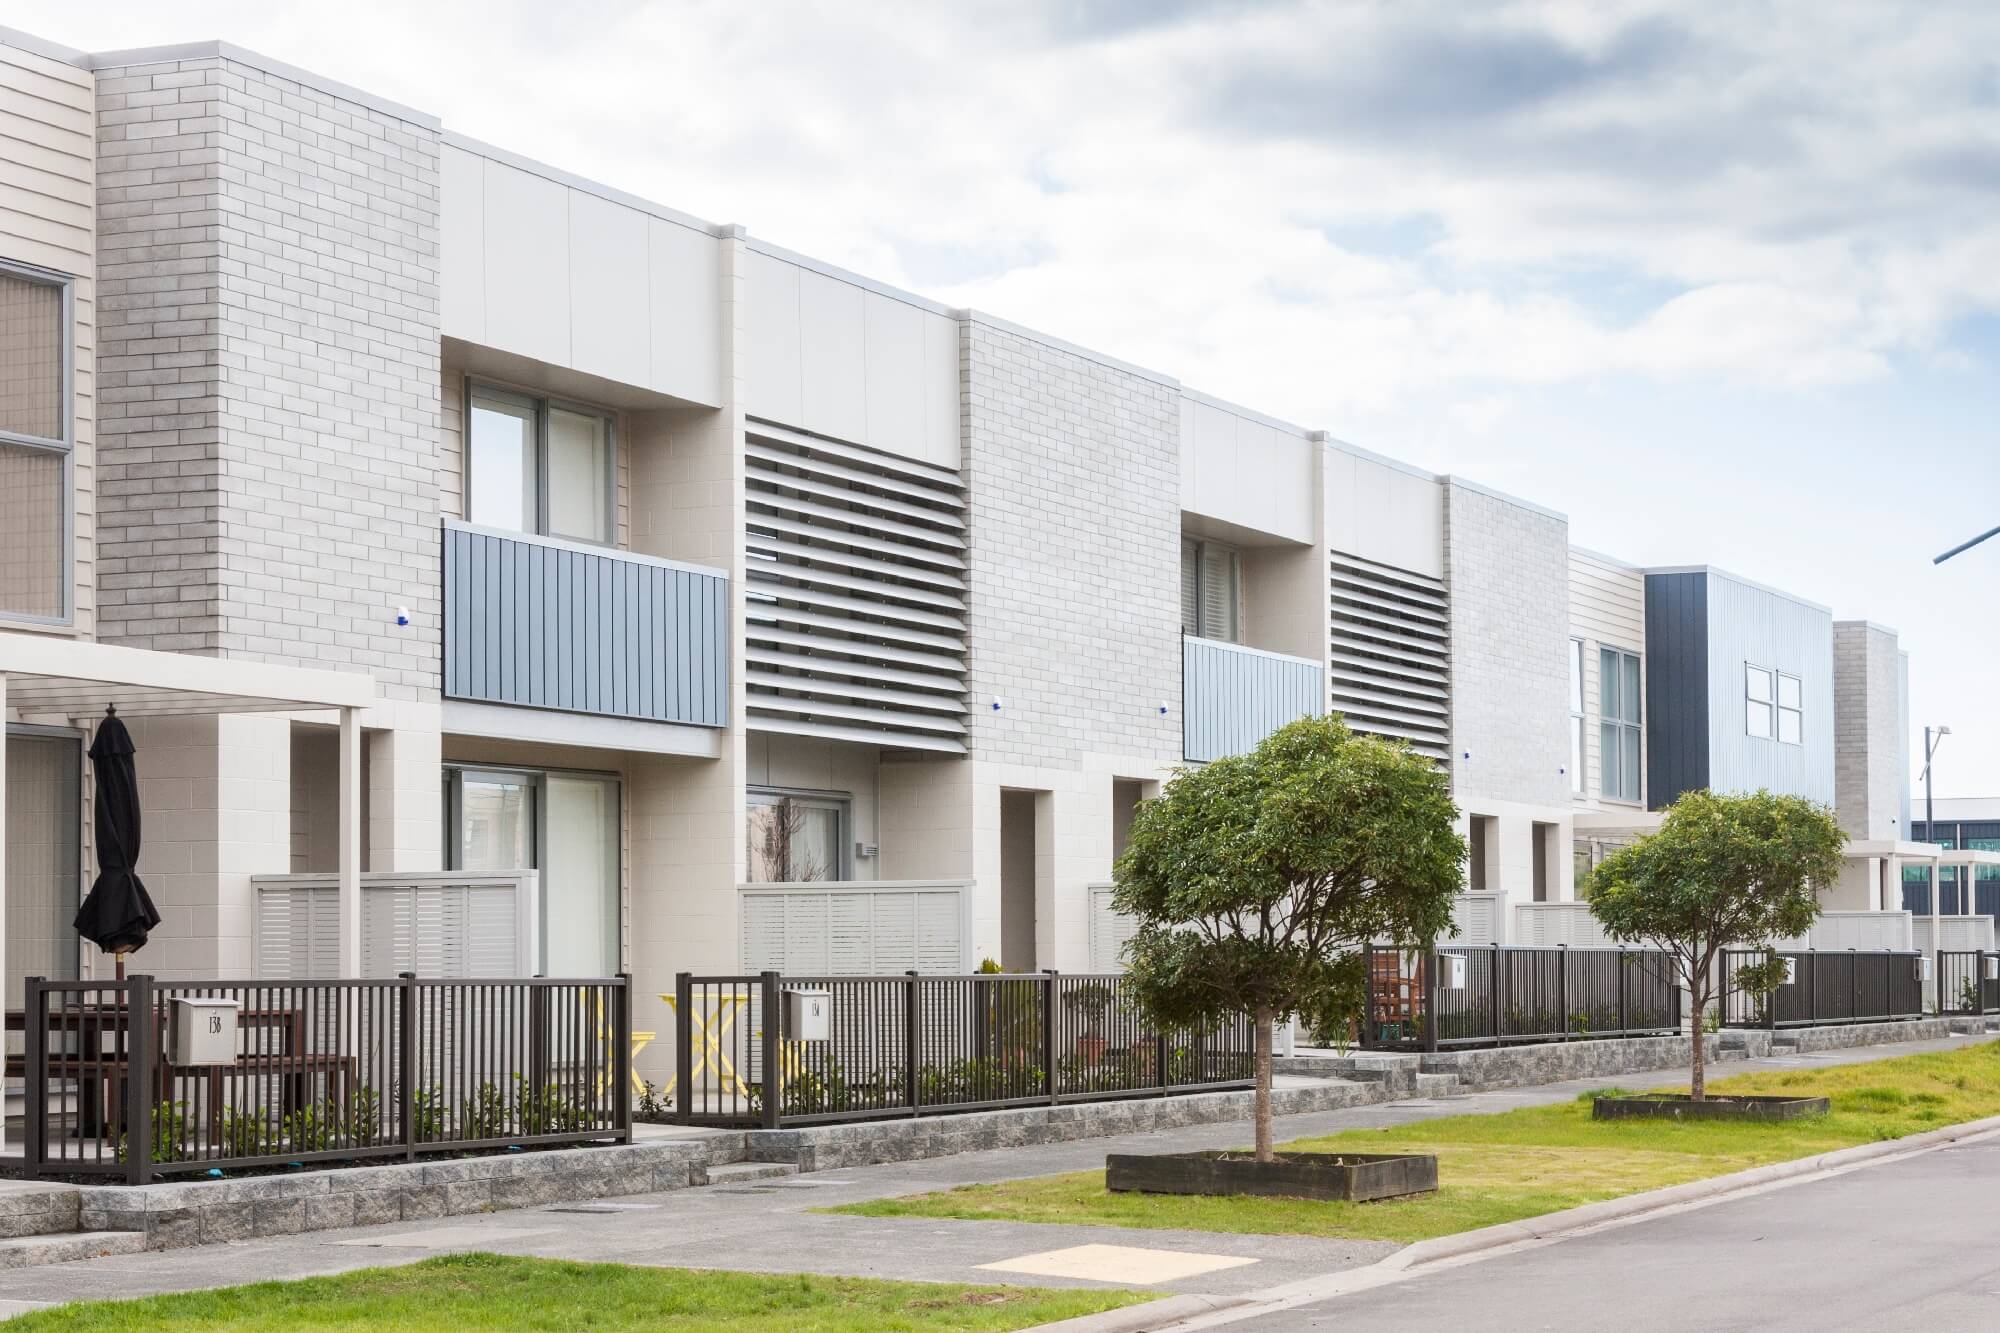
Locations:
{"points": [[317, 1071], [747, 1053], [1428, 1000], [1825, 987], [1969, 981]]}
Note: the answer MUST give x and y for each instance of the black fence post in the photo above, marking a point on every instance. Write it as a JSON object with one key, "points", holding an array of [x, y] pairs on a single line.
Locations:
{"points": [[1979, 980], [683, 1048], [1622, 1025], [1854, 985], [1771, 998], [139, 1034], [34, 1080], [1368, 1034], [406, 1062], [621, 1059], [1562, 985], [910, 1044], [1049, 1033], [1495, 981], [1431, 958], [774, 1017], [1812, 977]]}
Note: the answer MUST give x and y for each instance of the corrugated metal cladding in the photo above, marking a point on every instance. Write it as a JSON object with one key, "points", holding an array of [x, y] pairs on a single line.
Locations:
{"points": [[1676, 686], [551, 626], [854, 594], [1233, 697], [1390, 660]]}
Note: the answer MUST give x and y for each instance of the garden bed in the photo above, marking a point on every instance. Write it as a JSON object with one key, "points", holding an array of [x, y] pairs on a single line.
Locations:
{"points": [[1348, 1177], [1679, 1106]]}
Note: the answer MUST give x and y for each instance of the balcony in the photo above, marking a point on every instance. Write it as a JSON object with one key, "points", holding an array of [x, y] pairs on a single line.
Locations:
{"points": [[1232, 696], [543, 623]]}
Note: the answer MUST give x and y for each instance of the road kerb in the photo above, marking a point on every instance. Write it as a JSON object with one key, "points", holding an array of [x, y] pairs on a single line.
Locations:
{"points": [[1142, 1318]]}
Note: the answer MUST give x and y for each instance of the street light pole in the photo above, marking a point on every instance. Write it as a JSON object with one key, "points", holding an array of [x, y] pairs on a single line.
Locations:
{"points": [[1934, 737]]}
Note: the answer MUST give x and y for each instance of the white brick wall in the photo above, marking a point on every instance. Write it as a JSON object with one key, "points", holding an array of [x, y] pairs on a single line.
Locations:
{"points": [[1868, 767], [270, 372], [1074, 474]]}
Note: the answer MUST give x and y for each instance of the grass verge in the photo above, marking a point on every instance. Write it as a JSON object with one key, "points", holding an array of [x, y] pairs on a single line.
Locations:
{"points": [[490, 1291], [1516, 1164]]}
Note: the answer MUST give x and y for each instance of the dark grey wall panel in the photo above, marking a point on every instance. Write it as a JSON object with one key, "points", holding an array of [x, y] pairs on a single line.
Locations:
{"points": [[1677, 685], [542, 625], [1233, 697]]}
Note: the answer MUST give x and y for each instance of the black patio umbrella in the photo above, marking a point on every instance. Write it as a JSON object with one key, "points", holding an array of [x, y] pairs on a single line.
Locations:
{"points": [[117, 915]]}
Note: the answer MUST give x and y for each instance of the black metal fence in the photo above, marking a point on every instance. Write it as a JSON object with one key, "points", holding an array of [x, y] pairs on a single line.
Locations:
{"points": [[1969, 982], [750, 1051], [318, 1071], [1428, 1000], [1825, 988]]}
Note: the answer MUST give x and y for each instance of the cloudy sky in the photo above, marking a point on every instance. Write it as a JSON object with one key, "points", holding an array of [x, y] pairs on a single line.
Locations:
{"points": [[1721, 282]]}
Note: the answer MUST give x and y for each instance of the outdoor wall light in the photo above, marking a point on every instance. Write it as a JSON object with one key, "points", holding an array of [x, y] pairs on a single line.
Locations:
{"points": [[1163, 710], [997, 703], [402, 615]]}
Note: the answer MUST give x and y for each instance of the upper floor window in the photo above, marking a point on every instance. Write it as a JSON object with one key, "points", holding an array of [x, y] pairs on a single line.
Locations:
{"points": [[536, 465], [36, 442], [1208, 591], [795, 837], [1576, 716], [1774, 705], [1618, 726]]}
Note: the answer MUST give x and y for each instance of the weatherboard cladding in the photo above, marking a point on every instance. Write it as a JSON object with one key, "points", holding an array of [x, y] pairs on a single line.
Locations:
{"points": [[1235, 697]]}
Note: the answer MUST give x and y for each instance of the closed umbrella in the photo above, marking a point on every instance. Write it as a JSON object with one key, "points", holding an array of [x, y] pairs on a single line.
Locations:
{"points": [[117, 915]]}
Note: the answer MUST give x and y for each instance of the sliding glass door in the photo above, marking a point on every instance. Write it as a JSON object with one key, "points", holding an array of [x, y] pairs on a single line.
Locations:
{"points": [[44, 830]]}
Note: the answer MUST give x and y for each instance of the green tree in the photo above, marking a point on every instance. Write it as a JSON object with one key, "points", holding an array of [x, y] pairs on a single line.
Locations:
{"points": [[1722, 872], [1257, 878]]}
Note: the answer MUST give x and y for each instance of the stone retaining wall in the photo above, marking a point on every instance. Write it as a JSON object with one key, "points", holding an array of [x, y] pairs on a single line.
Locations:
{"points": [[1558, 1062], [1862, 1034]]}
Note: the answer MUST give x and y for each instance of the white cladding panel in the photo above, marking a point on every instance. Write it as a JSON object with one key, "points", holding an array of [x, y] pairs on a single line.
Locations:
{"points": [[1247, 472], [609, 307], [1382, 513]]}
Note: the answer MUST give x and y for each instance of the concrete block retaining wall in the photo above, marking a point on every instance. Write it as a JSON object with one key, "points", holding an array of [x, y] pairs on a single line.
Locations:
{"points": [[1558, 1062], [1862, 1034]]}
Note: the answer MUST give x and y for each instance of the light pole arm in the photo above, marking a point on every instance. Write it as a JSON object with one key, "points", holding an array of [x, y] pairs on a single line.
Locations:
{"points": [[1966, 546]]}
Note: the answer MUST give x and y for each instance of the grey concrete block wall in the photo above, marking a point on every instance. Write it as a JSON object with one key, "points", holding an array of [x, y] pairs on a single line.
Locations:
{"points": [[269, 372], [1073, 469], [1869, 763], [1507, 576]]}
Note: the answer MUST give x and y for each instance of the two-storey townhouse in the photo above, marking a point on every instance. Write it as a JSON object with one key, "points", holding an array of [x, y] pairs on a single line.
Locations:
{"points": [[558, 582]]}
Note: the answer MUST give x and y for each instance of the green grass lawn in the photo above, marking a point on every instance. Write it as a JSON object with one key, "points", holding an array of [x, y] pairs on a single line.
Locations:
{"points": [[490, 1291], [1500, 1168]]}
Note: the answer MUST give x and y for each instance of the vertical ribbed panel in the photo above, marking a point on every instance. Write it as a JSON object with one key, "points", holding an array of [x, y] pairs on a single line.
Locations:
{"points": [[1389, 664], [1232, 696], [854, 593]]}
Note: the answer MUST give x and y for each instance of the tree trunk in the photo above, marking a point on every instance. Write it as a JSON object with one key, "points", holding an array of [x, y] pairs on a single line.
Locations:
{"points": [[1262, 1113], [1698, 1052]]}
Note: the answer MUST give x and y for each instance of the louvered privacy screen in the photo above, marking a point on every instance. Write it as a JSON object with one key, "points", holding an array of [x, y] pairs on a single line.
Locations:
{"points": [[854, 930], [855, 594], [1110, 930], [439, 926], [1390, 657]]}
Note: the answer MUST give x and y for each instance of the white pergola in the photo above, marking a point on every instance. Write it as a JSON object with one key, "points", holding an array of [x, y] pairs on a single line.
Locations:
{"points": [[46, 676], [1893, 855]]}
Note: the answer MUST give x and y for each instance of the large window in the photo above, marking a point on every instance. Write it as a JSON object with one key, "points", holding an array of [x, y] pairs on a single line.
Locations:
{"points": [[796, 837], [1576, 716], [1618, 724], [36, 440], [533, 465], [1208, 591], [564, 825], [1773, 705]]}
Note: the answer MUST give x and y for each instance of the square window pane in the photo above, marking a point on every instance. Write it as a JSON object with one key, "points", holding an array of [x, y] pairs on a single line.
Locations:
{"points": [[1757, 684], [500, 459], [1607, 683], [1631, 690], [1629, 766], [579, 476], [793, 840], [1789, 691], [1757, 719], [31, 358], [496, 829], [1789, 729], [32, 508]]}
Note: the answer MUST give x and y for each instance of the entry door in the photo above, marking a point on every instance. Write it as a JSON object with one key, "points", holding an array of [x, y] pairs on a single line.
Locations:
{"points": [[44, 820]]}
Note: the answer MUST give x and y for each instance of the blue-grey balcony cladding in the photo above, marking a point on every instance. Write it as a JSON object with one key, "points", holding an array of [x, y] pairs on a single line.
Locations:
{"points": [[1703, 628], [551, 626], [1233, 697]]}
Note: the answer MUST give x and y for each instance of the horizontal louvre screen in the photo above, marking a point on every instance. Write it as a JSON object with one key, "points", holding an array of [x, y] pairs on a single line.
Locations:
{"points": [[853, 930], [1389, 659], [854, 594]]}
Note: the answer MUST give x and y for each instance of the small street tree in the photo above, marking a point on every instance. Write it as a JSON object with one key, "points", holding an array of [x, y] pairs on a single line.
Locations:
{"points": [[1722, 872], [1257, 878]]}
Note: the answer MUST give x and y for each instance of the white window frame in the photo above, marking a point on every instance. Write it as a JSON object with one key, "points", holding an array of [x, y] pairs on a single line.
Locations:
{"points": [[1769, 703], [64, 446], [1202, 629], [840, 802], [541, 405], [1780, 709], [1630, 725], [1577, 743]]}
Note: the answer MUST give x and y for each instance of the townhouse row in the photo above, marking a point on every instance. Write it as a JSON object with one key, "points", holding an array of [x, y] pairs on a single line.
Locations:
{"points": [[500, 572]]}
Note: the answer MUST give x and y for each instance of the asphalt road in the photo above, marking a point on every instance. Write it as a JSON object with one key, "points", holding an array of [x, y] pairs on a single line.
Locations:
{"points": [[1904, 1245]]}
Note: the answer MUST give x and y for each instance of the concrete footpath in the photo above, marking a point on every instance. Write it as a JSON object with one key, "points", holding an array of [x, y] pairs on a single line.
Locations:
{"points": [[767, 1224]]}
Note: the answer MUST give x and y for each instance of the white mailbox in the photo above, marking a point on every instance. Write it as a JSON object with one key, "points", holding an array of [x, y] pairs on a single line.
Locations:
{"points": [[1993, 969], [1791, 971], [1454, 971], [203, 1031], [1924, 968], [806, 1015]]}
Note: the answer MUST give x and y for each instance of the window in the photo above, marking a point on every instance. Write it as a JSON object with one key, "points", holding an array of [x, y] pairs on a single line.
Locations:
{"points": [[1576, 716], [1208, 591], [1758, 693], [565, 825], [1618, 725], [36, 441], [533, 465], [796, 837], [1791, 702]]}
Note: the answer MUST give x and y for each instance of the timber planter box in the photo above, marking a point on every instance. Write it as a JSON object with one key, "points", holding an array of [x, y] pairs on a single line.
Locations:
{"points": [[1677, 1106], [1354, 1177]]}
